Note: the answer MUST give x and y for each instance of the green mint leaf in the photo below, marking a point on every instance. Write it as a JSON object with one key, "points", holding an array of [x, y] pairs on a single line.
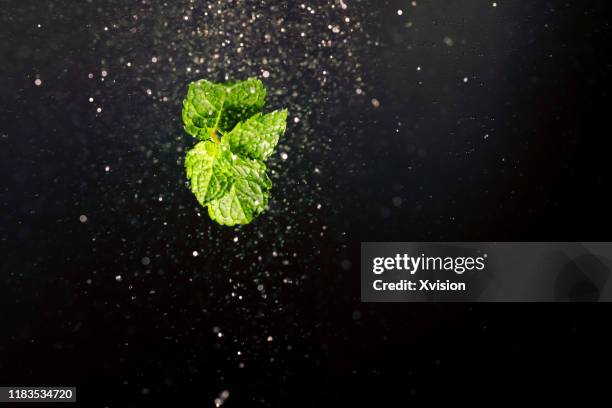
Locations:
{"points": [[209, 170], [244, 99], [229, 176], [247, 197], [257, 136], [210, 108]]}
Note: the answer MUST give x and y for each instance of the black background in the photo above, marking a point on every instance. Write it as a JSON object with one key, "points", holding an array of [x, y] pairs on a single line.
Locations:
{"points": [[417, 168]]}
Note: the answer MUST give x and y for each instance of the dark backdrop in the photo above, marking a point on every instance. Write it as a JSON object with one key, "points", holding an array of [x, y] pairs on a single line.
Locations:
{"points": [[455, 120]]}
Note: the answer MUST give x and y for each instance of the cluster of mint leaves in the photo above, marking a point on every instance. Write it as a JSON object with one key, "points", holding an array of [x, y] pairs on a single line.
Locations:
{"points": [[226, 169]]}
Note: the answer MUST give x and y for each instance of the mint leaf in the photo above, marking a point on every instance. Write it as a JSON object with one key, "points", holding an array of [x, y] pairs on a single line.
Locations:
{"points": [[229, 175], [257, 136], [209, 170], [247, 197], [244, 99], [210, 108], [202, 107]]}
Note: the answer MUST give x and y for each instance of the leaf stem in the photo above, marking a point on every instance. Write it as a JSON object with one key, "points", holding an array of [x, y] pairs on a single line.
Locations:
{"points": [[213, 135]]}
